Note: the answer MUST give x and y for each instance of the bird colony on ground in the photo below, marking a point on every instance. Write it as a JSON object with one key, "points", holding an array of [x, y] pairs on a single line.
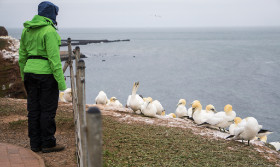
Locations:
{"points": [[226, 121]]}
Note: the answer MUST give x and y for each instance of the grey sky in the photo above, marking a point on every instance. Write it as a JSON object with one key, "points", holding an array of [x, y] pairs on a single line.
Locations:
{"points": [[148, 13]]}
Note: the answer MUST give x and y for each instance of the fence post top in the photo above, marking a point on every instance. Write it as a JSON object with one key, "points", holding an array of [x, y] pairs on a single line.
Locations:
{"points": [[93, 110], [81, 64]]}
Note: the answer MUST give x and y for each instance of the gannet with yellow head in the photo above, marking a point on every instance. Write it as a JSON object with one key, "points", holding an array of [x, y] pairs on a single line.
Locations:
{"points": [[222, 119], [181, 110], [237, 120], [114, 102], [148, 108], [189, 113], [200, 116], [171, 115]]}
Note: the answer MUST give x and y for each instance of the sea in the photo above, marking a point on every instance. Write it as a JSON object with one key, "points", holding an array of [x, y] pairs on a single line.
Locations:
{"points": [[218, 66]]}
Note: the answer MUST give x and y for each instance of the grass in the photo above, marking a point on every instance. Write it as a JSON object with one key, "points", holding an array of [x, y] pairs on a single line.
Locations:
{"points": [[17, 124], [148, 145]]}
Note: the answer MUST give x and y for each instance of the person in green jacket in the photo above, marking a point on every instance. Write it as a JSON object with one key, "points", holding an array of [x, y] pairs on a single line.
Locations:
{"points": [[41, 71]]}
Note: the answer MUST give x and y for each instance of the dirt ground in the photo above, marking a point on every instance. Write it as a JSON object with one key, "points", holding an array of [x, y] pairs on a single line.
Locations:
{"points": [[13, 129]]}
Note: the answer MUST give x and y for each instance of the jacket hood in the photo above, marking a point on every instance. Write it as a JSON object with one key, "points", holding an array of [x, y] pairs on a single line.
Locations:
{"points": [[38, 21], [49, 10]]}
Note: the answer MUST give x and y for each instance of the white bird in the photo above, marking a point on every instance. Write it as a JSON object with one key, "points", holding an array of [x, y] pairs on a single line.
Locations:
{"points": [[237, 120], [171, 115], [135, 101], [159, 107], [200, 116], [114, 102], [181, 110], [101, 98], [61, 98], [276, 145], [66, 96], [247, 129], [148, 108], [222, 119], [262, 138], [189, 113]]}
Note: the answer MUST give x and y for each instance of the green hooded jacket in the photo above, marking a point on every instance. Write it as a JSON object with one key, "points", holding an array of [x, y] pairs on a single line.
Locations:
{"points": [[39, 38]]}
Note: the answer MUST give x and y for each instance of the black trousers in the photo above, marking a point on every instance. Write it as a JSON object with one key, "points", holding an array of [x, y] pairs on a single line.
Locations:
{"points": [[42, 101]]}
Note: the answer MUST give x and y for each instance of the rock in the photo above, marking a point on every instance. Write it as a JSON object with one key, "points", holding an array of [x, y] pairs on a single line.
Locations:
{"points": [[3, 31]]}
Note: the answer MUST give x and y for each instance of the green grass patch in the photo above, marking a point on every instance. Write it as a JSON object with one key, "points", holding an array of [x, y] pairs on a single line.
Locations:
{"points": [[18, 124], [150, 145]]}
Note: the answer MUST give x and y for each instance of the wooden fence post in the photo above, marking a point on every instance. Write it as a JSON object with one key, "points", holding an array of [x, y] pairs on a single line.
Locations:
{"points": [[94, 137], [67, 62], [74, 104], [80, 76]]}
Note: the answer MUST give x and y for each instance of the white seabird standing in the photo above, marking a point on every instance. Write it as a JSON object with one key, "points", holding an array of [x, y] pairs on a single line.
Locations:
{"points": [[135, 101], [247, 129]]}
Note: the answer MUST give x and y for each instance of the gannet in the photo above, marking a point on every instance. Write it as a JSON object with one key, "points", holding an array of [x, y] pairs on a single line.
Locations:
{"points": [[181, 110], [171, 115], [68, 95], [263, 139], [61, 98], [200, 116], [247, 129], [101, 98], [135, 100], [114, 102], [189, 113], [222, 119], [159, 107], [237, 120], [276, 145], [148, 108]]}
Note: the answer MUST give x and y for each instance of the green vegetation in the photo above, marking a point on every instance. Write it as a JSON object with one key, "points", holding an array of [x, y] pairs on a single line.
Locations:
{"points": [[17, 124], [149, 145]]}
